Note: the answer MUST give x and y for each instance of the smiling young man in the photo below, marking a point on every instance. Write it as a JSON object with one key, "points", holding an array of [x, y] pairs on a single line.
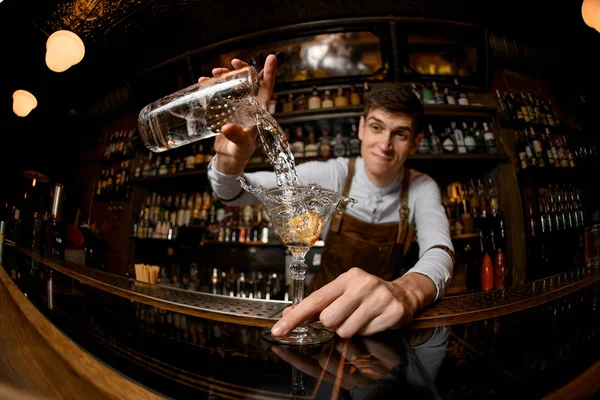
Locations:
{"points": [[362, 286]]}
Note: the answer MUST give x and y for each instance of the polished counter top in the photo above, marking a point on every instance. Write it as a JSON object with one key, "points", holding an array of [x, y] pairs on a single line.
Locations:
{"points": [[67, 336], [450, 310]]}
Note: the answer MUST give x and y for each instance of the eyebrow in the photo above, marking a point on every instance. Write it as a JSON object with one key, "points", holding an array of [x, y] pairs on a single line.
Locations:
{"points": [[403, 128]]}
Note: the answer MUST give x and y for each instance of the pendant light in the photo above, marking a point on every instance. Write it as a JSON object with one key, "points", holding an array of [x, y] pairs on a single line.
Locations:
{"points": [[63, 50], [23, 102], [590, 10]]}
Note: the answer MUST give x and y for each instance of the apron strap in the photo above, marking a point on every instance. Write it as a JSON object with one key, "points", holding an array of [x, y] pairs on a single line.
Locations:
{"points": [[404, 210], [336, 220]]}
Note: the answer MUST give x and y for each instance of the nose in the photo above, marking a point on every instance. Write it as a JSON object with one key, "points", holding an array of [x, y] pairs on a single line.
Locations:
{"points": [[385, 142]]}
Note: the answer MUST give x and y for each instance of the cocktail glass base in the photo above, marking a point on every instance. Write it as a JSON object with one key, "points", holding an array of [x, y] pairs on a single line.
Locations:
{"points": [[303, 335]]}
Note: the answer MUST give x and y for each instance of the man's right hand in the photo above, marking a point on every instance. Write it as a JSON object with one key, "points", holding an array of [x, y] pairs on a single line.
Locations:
{"points": [[236, 145]]}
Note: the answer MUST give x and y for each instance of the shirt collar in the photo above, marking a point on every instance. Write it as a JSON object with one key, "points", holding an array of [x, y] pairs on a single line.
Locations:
{"points": [[363, 180]]}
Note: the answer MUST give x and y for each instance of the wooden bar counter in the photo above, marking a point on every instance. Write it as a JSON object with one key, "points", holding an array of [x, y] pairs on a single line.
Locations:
{"points": [[71, 332]]}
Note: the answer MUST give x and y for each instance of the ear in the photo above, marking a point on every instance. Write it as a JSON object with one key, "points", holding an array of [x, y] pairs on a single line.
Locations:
{"points": [[361, 127], [416, 143]]}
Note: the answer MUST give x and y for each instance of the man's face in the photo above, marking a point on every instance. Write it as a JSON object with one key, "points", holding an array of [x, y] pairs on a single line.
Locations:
{"points": [[387, 141]]}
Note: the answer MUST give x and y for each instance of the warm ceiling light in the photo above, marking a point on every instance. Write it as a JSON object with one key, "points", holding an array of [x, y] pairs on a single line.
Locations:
{"points": [[63, 50], [590, 10], [23, 102]]}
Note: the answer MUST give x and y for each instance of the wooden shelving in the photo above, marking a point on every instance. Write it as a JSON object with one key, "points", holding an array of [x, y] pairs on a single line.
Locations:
{"points": [[431, 110], [420, 158]]}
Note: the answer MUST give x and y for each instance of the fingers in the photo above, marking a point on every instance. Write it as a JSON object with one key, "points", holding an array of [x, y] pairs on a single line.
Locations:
{"points": [[203, 78], [334, 315], [219, 71], [384, 322], [237, 64], [312, 318], [310, 306], [237, 134], [360, 318], [266, 88]]}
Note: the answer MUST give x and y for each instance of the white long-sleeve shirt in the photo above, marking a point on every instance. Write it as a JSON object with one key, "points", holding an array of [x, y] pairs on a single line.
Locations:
{"points": [[378, 205]]}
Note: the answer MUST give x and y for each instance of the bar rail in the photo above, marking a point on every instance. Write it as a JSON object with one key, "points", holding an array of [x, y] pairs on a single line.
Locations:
{"points": [[256, 312]]}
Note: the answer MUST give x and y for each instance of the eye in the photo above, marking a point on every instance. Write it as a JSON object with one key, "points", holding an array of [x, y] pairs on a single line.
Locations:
{"points": [[375, 127], [402, 136]]}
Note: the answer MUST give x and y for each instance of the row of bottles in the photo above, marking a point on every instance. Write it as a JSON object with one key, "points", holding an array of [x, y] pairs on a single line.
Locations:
{"points": [[543, 149], [555, 209], [114, 186], [163, 216], [324, 146], [474, 208], [522, 107], [554, 217], [230, 282], [120, 145], [187, 158], [463, 138], [434, 94], [317, 99]]}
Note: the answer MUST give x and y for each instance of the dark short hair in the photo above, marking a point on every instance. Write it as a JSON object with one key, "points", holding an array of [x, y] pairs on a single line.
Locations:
{"points": [[394, 98]]}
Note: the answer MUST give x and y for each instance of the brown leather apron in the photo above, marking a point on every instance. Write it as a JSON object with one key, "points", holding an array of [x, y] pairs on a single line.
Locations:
{"points": [[375, 248]]}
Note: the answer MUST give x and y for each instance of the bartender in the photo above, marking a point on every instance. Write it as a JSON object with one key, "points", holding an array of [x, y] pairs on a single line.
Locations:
{"points": [[361, 287]]}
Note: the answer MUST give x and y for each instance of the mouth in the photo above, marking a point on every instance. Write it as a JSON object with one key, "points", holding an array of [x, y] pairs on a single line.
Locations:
{"points": [[382, 157]]}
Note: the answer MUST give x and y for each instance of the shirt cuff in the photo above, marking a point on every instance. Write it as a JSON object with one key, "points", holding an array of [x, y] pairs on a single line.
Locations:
{"points": [[225, 186], [437, 265]]}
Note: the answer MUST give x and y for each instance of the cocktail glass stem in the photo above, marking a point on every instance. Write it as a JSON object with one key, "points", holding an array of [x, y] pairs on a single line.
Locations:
{"points": [[298, 267]]}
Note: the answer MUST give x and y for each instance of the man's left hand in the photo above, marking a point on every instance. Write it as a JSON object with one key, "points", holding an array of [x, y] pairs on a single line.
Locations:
{"points": [[358, 302]]}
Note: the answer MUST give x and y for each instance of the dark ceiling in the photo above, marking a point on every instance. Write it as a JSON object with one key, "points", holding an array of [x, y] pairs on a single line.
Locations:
{"points": [[124, 37]]}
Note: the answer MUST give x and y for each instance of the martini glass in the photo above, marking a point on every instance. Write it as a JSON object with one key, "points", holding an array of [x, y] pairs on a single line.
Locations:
{"points": [[299, 213]]}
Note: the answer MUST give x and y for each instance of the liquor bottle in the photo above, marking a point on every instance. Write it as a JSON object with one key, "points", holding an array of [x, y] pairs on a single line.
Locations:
{"points": [[548, 114], [554, 113], [487, 273], [439, 97], [479, 139], [425, 145], [470, 142], [297, 145], [548, 149], [273, 104], [354, 96], [490, 139], [459, 138], [449, 97], [427, 95], [365, 92], [190, 160], [448, 143], [435, 141], [288, 106], [521, 151], [327, 101], [537, 147], [418, 93], [524, 108], [199, 157], [339, 150], [301, 102], [518, 112], [325, 146], [311, 149], [354, 142], [340, 100], [530, 107], [463, 99], [539, 115], [314, 101], [500, 270]]}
